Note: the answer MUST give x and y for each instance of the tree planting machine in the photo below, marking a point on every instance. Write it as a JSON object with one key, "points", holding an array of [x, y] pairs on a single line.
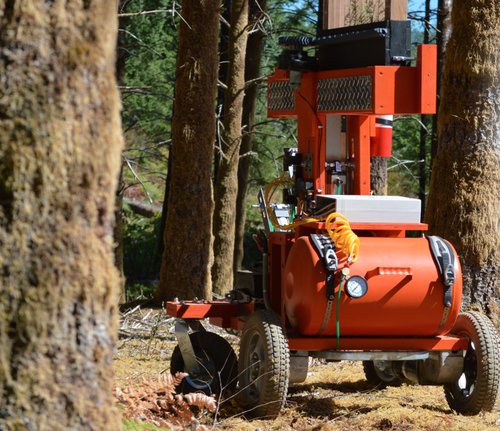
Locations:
{"points": [[341, 278]]}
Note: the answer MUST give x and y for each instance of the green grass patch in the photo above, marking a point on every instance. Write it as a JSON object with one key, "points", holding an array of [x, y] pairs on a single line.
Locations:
{"points": [[131, 425]]}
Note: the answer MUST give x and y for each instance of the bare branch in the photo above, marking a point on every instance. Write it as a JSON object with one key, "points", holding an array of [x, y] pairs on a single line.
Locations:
{"points": [[145, 12]]}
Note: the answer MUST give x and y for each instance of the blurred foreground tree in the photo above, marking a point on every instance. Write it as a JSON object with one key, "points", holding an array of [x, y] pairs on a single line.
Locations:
{"points": [[464, 201], [187, 257], [60, 142]]}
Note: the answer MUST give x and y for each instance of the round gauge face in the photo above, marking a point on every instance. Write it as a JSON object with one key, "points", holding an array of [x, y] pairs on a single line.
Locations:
{"points": [[356, 286]]}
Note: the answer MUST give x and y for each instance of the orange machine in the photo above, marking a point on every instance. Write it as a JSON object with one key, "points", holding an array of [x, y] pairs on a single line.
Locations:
{"points": [[341, 278]]}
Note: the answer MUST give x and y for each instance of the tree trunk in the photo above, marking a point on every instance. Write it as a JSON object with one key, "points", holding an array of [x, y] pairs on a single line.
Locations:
{"points": [[378, 175], [185, 270], [464, 201], [60, 143], [255, 47], [227, 179], [223, 73], [121, 59], [442, 37]]}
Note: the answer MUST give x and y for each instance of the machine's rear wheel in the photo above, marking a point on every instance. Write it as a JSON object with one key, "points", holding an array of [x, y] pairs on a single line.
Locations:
{"points": [[381, 374], [217, 362], [264, 365], [476, 389]]}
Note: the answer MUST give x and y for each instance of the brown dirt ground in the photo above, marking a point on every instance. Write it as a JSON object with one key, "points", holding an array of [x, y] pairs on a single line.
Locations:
{"points": [[334, 397]]}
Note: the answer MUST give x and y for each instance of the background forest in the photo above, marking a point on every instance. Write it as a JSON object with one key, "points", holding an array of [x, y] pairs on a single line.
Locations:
{"points": [[146, 70]]}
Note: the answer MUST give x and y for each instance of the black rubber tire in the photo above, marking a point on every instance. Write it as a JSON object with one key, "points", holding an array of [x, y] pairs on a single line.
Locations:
{"points": [[379, 378], [477, 388], [217, 359], [263, 365]]}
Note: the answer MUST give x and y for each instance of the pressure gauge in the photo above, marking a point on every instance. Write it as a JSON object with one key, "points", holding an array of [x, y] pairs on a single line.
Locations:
{"points": [[356, 286]]}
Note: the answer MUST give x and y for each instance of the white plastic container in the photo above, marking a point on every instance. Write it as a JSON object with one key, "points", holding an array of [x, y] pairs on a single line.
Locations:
{"points": [[373, 209]]}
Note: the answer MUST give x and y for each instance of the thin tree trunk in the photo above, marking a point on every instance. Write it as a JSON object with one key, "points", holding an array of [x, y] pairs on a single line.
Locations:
{"points": [[185, 270], [60, 143], [255, 47], [223, 75], [227, 178], [464, 201], [442, 37], [121, 59]]}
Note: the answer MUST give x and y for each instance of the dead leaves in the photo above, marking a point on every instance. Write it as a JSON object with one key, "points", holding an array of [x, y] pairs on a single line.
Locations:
{"points": [[156, 402]]}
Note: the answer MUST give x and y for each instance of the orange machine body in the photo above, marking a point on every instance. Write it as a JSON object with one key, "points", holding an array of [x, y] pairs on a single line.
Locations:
{"points": [[405, 294]]}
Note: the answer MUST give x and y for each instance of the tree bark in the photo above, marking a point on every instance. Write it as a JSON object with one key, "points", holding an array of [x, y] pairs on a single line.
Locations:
{"points": [[121, 59], [464, 201], [442, 37], [227, 179], [378, 175], [60, 143], [185, 270], [255, 47]]}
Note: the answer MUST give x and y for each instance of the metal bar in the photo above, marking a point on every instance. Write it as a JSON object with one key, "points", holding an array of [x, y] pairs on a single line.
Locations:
{"points": [[204, 309], [371, 356], [386, 344], [191, 365]]}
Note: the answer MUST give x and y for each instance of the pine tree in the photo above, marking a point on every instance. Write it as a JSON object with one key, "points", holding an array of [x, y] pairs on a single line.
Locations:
{"points": [[464, 201], [60, 143], [187, 257], [227, 176]]}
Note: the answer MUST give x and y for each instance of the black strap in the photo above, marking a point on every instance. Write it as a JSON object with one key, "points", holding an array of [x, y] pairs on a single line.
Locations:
{"points": [[445, 261]]}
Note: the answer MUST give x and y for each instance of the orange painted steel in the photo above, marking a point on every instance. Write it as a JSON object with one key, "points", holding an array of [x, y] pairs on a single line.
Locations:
{"points": [[445, 343], [404, 307], [405, 294], [415, 88], [204, 309], [358, 128]]}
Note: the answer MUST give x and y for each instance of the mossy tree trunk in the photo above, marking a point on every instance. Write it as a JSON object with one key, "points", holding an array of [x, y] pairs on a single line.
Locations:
{"points": [[187, 257], [464, 201], [226, 190], [60, 143], [255, 47]]}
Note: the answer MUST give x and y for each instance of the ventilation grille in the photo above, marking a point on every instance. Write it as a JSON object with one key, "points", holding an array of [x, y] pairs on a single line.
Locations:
{"points": [[352, 93]]}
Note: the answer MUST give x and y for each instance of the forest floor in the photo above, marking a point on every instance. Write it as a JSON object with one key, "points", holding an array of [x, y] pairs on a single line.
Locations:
{"points": [[335, 396]]}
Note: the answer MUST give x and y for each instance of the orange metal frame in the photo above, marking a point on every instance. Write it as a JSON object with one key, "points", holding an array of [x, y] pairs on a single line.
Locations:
{"points": [[415, 89]]}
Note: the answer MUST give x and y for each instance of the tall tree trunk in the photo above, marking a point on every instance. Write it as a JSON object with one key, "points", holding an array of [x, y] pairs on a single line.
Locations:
{"points": [[464, 201], [121, 59], [442, 36], [60, 143], [227, 179], [223, 74], [185, 270], [255, 47]]}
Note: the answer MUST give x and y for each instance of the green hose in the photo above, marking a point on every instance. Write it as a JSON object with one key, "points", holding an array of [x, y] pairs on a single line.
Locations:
{"points": [[337, 311]]}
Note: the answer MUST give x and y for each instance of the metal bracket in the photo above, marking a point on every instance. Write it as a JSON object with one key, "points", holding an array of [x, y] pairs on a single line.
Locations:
{"points": [[371, 356], [186, 347]]}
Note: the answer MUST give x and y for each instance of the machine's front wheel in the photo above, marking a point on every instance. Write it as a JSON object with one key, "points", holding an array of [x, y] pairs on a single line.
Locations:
{"points": [[264, 365], [381, 374], [216, 359], [476, 389]]}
